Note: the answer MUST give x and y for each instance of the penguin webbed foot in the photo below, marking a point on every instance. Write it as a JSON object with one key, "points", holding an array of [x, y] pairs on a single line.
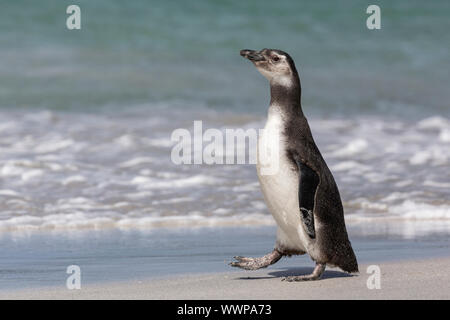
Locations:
{"points": [[256, 263], [247, 263], [315, 275]]}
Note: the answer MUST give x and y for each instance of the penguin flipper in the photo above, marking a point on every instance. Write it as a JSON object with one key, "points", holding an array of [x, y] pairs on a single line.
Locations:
{"points": [[308, 182]]}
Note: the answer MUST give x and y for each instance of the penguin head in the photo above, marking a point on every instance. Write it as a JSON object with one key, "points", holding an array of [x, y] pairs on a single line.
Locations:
{"points": [[276, 65]]}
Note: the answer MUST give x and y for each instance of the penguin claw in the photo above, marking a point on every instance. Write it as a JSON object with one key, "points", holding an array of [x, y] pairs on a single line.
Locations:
{"points": [[245, 263], [315, 275], [256, 263], [240, 258]]}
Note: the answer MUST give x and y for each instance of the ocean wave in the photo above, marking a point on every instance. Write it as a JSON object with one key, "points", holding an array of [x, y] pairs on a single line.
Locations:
{"points": [[82, 220], [113, 170], [406, 210]]}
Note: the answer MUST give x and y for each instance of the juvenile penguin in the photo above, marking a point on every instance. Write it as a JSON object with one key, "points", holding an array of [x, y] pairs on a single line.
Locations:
{"points": [[301, 194]]}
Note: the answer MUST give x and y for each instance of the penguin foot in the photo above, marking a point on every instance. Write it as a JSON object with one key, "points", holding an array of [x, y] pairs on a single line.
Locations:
{"points": [[256, 263], [315, 275]]}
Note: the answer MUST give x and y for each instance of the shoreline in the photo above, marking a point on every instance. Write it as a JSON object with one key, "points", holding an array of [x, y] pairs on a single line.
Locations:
{"points": [[40, 260], [408, 279]]}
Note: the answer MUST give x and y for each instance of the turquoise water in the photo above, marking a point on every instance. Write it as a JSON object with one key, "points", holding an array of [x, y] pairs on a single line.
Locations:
{"points": [[186, 53], [86, 116], [86, 119]]}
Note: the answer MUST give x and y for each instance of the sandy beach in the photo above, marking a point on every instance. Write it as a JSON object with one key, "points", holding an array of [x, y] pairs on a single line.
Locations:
{"points": [[425, 279], [128, 147]]}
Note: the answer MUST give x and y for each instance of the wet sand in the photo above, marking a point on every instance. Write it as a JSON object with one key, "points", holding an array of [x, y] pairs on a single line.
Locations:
{"points": [[417, 279]]}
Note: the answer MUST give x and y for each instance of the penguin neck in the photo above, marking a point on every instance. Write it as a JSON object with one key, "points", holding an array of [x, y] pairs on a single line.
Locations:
{"points": [[287, 95]]}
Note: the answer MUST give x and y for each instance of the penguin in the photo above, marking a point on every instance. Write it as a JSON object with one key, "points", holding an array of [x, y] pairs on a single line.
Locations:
{"points": [[301, 194]]}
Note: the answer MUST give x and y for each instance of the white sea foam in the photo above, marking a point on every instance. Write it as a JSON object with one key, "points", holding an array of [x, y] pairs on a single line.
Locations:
{"points": [[72, 180], [75, 171], [152, 183], [421, 211], [31, 174], [83, 221], [433, 155], [436, 122], [53, 145], [136, 162], [353, 147], [444, 135], [9, 193], [162, 142], [172, 200], [403, 183], [406, 210], [352, 166]]}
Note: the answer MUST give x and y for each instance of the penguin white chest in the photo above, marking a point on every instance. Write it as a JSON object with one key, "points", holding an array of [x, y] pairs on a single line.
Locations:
{"points": [[279, 182]]}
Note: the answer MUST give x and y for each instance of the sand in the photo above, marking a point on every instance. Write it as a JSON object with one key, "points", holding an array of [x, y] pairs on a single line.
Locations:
{"points": [[425, 279]]}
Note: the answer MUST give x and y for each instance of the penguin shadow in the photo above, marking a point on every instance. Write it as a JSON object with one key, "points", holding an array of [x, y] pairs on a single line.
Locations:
{"points": [[328, 274]]}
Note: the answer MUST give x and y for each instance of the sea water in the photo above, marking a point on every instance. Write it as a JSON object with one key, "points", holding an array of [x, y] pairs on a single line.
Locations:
{"points": [[86, 118]]}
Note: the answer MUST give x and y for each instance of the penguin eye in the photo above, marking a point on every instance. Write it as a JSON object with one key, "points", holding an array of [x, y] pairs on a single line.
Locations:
{"points": [[276, 58]]}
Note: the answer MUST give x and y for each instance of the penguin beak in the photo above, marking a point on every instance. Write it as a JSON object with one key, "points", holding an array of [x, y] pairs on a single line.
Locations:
{"points": [[252, 55]]}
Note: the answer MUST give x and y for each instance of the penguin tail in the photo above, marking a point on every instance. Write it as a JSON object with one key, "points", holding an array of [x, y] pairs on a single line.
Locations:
{"points": [[349, 263], [345, 259]]}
